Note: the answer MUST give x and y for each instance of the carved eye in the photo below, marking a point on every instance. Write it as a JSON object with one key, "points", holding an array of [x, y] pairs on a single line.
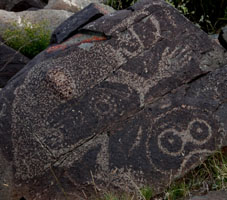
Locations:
{"points": [[104, 104], [200, 131], [170, 142]]}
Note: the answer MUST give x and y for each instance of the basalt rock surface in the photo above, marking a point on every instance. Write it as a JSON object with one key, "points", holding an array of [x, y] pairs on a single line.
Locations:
{"points": [[214, 195], [138, 100], [73, 24], [223, 37], [11, 62]]}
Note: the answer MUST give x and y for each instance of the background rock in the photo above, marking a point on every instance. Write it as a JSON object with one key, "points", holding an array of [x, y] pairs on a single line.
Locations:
{"points": [[21, 5], [214, 195], [71, 26], [53, 17], [223, 37], [11, 62], [70, 5]]}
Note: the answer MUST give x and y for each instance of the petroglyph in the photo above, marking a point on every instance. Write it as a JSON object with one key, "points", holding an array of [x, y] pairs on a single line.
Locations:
{"points": [[173, 138], [105, 105], [133, 107], [137, 140], [129, 21], [166, 68], [134, 82], [172, 142], [170, 58], [199, 131]]}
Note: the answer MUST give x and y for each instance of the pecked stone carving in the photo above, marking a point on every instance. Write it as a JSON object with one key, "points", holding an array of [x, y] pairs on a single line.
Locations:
{"points": [[136, 98]]}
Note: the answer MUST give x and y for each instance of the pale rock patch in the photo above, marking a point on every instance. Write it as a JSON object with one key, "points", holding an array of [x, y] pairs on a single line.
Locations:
{"points": [[70, 5], [53, 17]]}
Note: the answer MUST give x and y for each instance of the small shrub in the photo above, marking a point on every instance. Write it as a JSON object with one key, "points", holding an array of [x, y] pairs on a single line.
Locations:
{"points": [[208, 176], [120, 4], [146, 193], [29, 39], [209, 15], [110, 197], [177, 191]]}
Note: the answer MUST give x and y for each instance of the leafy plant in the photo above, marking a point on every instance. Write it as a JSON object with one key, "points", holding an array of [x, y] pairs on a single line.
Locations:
{"points": [[176, 191], [209, 15], [210, 175], [27, 38], [112, 196], [146, 193], [120, 4]]}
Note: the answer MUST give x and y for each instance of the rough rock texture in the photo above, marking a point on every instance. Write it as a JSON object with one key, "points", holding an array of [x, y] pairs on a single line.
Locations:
{"points": [[53, 17], [140, 101], [11, 62], [70, 5], [215, 38], [214, 195], [21, 5], [72, 25], [223, 37]]}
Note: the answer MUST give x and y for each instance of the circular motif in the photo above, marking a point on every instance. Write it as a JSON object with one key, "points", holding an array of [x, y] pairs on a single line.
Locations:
{"points": [[200, 131], [103, 107], [177, 134], [170, 142], [104, 104]]}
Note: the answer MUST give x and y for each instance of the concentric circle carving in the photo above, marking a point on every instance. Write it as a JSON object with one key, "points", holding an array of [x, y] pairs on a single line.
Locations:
{"points": [[176, 135]]}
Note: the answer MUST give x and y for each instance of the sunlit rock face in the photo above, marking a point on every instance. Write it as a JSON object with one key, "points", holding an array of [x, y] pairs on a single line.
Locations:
{"points": [[53, 18], [70, 5], [137, 97]]}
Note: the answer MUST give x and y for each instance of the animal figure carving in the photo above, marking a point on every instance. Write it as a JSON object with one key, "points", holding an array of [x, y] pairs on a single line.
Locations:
{"points": [[136, 97]]}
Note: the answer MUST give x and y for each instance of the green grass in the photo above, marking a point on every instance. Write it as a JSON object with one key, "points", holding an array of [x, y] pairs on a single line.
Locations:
{"points": [[144, 193], [29, 39], [209, 15], [110, 196], [120, 4], [210, 175]]}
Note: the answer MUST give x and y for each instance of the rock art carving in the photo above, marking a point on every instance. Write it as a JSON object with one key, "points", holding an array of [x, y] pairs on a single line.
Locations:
{"points": [[133, 99], [172, 139]]}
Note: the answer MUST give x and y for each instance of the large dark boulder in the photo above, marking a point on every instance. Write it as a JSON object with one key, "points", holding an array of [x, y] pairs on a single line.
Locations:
{"points": [[223, 37], [21, 5], [73, 24], [11, 62], [138, 99]]}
